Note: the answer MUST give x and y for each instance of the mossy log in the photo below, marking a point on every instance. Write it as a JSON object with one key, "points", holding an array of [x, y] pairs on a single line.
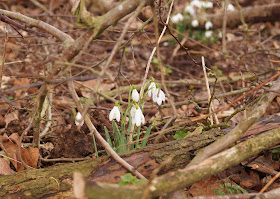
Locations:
{"points": [[43, 182]]}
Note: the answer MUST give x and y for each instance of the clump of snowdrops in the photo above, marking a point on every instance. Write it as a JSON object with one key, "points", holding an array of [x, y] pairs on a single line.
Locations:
{"points": [[126, 135]]}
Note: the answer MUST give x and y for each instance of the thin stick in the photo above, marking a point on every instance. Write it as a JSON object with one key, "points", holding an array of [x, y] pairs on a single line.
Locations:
{"points": [[211, 108], [270, 182], [49, 114], [154, 50], [114, 51], [161, 67], [224, 41], [3, 57], [94, 131]]}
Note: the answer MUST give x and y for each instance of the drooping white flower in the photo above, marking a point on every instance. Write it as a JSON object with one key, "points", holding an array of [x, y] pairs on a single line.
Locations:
{"points": [[208, 33], [151, 89], [165, 43], [177, 18], [220, 34], [115, 114], [196, 3], [137, 116], [190, 9], [158, 96], [135, 95], [195, 23], [208, 4], [79, 119], [208, 25], [230, 7]]}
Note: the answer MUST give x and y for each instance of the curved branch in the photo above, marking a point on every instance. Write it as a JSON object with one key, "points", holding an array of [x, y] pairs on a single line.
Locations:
{"points": [[184, 177], [30, 22]]}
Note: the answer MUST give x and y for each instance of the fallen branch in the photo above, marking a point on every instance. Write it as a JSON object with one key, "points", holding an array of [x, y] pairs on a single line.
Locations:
{"points": [[184, 177], [256, 14], [37, 183]]}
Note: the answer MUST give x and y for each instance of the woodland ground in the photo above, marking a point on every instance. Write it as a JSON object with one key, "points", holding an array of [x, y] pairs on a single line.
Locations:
{"points": [[29, 57]]}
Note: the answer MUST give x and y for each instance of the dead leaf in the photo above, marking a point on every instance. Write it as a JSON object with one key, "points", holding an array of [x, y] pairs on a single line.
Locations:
{"points": [[11, 117], [5, 167], [205, 187], [30, 156], [91, 84], [21, 82]]}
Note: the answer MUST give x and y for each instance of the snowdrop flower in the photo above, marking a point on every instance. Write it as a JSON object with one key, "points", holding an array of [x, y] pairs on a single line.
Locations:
{"points": [[230, 7], [190, 9], [196, 3], [79, 119], [165, 43], [151, 89], [208, 4], [177, 18], [135, 95], [208, 25], [220, 34], [115, 114], [158, 96], [195, 23], [208, 33], [137, 116]]}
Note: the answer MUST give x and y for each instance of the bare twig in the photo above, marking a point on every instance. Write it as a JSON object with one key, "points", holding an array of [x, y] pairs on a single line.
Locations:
{"points": [[211, 108], [2, 61], [224, 28], [154, 49], [240, 129]]}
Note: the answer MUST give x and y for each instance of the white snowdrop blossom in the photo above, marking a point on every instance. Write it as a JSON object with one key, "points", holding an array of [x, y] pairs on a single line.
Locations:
{"points": [[137, 116], [195, 23], [190, 9], [158, 96], [151, 89], [230, 7], [208, 33], [196, 3], [135, 95], [165, 43], [79, 119], [177, 18], [208, 25], [115, 114], [220, 34], [208, 4]]}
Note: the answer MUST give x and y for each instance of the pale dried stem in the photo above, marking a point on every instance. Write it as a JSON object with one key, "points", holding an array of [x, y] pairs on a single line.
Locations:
{"points": [[154, 50], [49, 116], [270, 182], [211, 108]]}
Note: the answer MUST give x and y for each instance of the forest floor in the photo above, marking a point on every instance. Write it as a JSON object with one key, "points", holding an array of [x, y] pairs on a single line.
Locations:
{"points": [[246, 62]]}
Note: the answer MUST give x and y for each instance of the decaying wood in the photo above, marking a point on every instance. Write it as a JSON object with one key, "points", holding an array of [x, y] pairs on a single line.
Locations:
{"points": [[42, 182], [185, 177], [256, 14]]}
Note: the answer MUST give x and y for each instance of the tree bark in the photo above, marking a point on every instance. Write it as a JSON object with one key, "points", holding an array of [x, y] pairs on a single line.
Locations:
{"points": [[41, 182], [256, 14]]}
